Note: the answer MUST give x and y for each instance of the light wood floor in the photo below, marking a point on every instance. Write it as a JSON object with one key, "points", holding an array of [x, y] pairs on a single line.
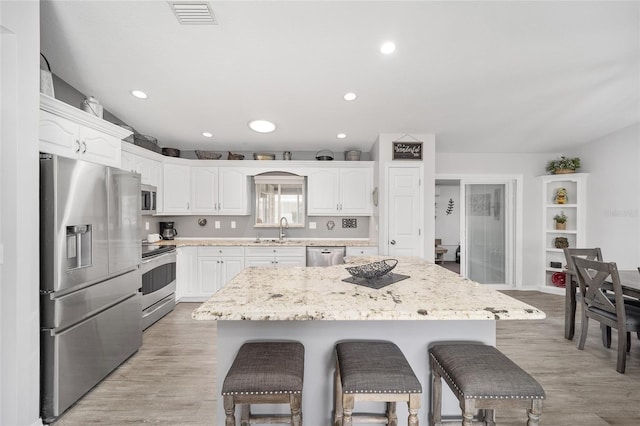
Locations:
{"points": [[171, 379]]}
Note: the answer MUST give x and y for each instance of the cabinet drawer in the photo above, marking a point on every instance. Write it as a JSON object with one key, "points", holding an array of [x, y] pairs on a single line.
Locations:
{"points": [[221, 251], [275, 251], [362, 251]]}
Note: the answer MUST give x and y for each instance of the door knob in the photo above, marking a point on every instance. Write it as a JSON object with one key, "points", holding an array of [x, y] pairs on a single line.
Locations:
{"points": [[393, 242]]}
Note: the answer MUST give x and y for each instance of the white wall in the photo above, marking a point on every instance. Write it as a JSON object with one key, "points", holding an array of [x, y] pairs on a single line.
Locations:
{"points": [[447, 226], [19, 170], [613, 195], [529, 166]]}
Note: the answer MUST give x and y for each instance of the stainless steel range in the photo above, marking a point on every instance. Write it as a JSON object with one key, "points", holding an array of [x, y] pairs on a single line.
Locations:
{"points": [[158, 282]]}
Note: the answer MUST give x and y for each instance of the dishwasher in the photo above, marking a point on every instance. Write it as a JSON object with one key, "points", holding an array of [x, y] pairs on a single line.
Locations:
{"points": [[325, 256]]}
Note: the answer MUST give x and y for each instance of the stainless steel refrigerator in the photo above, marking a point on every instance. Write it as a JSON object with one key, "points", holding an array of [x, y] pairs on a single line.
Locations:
{"points": [[89, 277]]}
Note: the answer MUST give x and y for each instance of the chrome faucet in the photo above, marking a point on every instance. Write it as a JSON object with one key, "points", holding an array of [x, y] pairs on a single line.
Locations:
{"points": [[286, 225]]}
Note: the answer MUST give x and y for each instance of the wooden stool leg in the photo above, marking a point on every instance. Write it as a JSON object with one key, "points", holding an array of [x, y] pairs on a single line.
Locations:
{"points": [[490, 417], [337, 396], [245, 415], [414, 406], [436, 397], [392, 418], [229, 410], [534, 413], [348, 402], [295, 401], [468, 411]]}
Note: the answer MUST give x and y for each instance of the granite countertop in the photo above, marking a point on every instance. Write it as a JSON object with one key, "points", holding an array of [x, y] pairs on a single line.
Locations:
{"points": [[250, 242], [318, 293]]}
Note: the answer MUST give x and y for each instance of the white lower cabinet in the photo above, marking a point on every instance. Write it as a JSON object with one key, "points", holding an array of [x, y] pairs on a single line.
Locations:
{"points": [[186, 273], [210, 269], [275, 256], [362, 251]]}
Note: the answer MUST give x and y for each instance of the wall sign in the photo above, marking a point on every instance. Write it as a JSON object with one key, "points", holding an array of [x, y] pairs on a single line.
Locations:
{"points": [[407, 150]]}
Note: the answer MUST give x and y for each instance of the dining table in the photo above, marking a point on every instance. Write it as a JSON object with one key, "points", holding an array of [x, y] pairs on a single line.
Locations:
{"points": [[630, 280]]}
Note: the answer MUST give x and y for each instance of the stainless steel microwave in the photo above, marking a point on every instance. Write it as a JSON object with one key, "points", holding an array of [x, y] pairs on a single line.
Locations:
{"points": [[149, 199]]}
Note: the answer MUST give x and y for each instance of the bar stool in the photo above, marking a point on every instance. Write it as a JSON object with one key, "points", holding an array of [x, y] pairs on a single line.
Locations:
{"points": [[482, 378], [265, 373], [373, 371]]}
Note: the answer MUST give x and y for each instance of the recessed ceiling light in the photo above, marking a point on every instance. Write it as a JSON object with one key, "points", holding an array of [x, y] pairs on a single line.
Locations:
{"points": [[350, 96], [207, 134], [262, 126], [388, 47], [341, 135], [139, 94]]}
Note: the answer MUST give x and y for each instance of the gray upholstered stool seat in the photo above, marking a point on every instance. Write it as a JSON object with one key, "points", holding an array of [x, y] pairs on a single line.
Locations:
{"points": [[483, 378], [374, 371], [265, 373]]}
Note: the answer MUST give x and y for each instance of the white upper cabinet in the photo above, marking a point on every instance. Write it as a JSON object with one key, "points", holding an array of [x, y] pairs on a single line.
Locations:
{"points": [[176, 188], [149, 169], [340, 192], [71, 132], [206, 190], [233, 192]]}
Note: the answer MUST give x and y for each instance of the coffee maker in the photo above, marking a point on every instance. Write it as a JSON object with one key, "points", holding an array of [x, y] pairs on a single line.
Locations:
{"points": [[167, 231]]}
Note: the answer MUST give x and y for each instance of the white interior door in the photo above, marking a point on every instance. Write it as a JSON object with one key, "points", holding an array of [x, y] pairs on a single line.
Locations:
{"points": [[404, 225], [488, 231]]}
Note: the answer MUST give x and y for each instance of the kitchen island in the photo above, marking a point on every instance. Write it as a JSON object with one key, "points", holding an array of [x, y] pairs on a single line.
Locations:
{"points": [[314, 306]]}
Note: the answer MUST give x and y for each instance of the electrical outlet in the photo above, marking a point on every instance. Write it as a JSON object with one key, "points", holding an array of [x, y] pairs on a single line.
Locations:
{"points": [[349, 223], [233, 224], [312, 225], [146, 226], [217, 224]]}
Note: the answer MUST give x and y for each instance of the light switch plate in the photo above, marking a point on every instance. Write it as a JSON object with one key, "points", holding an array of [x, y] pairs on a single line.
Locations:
{"points": [[233, 224], [146, 226], [312, 225], [217, 224]]}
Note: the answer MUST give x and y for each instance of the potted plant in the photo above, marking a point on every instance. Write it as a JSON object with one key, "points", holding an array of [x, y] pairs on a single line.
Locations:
{"points": [[563, 165], [561, 220]]}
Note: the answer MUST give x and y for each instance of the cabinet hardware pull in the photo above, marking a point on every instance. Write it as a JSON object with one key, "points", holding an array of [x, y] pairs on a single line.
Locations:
{"points": [[84, 146], [78, 144]]}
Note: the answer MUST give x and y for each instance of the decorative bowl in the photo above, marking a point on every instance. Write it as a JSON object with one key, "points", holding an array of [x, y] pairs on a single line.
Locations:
{"points": [[207, 155], [263, 156], [373, 270]]}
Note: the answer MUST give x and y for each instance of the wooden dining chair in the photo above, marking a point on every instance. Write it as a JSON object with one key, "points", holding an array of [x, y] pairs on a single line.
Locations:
{"points": [[595, 279], [570, 298]]}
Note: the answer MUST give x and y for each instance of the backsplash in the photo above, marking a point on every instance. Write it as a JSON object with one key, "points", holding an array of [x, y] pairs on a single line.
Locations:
{"points": [[188, 227]]}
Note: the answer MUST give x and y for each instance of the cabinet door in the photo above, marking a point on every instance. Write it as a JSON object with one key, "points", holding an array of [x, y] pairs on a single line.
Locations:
{"points": [[204, 189], [259, 261], [176, 188], [229, 268], [128, 162], [186, 272], [232, 192], [99, 147], [59, 135], [209, 275], [149, 170], [322, 192], [355, 192]]}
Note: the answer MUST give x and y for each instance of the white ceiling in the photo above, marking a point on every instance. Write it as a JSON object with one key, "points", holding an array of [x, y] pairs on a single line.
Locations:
{"points": [[482, 76]]}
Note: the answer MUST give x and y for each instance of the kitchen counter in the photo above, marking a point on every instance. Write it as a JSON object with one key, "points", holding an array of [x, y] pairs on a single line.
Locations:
{"points": [[315, 307], [250, 242], [318, 293]]}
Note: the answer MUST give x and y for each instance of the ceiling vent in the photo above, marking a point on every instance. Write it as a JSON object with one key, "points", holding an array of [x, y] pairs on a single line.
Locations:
{"points": [[193, 13]]}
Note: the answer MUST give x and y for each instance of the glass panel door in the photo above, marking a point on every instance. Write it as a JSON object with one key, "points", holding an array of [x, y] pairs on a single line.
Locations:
{"points": [[488, 230]]}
